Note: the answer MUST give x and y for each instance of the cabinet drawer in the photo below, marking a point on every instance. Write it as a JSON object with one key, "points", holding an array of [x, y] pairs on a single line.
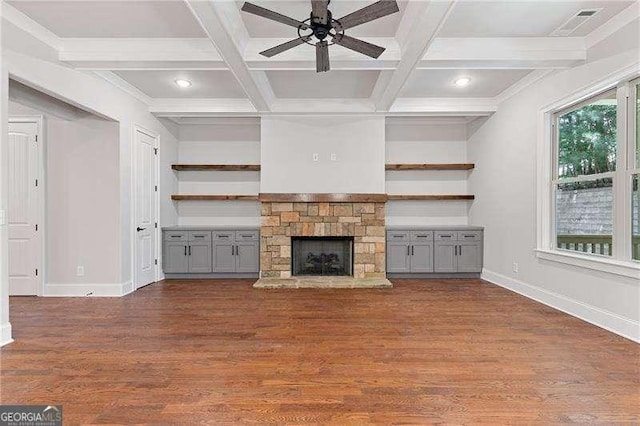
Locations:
{"points": [[469, 235], [175, 236], [224, 235], [446, 236], [199, 236], [394, 236], [246, 235], [421, 236]]}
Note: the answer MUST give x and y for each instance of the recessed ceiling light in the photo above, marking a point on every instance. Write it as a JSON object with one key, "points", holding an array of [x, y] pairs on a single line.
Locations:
{"points": [[463, 81], [183, 83]]}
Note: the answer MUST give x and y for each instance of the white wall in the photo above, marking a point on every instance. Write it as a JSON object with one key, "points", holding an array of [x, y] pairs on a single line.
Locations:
{"points": [[219, 141], [5, 325], [94, 94], [288, 145], [426, 140], [504, 147], [82, 204]]}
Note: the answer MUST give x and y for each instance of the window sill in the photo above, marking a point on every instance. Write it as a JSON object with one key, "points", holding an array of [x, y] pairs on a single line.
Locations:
{"points": [[612, 266]]}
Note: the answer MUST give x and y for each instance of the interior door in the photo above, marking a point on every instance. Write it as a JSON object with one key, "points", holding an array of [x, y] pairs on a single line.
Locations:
{"points": [[24, 242], [145, 211]]}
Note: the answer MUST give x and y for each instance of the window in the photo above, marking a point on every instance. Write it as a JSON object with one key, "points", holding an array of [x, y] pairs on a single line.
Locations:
{"points": [[595, 178], [586, 151]]}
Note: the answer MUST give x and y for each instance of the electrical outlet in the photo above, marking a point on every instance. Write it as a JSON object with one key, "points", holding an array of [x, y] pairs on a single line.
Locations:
{"points": [[515, 267], [80, 271], [315, 156], [333, 157]]}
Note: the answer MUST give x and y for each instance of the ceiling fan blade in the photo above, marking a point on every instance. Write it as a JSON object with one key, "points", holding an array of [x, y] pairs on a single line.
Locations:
{"points": [[322, 56], [319, 11], [358, 45], [284, 46], [369, 13], [274, 16]]}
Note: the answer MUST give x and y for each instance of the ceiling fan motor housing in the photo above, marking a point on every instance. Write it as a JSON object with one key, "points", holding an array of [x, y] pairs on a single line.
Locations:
{"points": [[320, 29]]}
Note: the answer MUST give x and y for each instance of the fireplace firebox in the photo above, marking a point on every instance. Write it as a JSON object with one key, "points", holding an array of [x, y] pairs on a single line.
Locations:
{"points": [[322, 256]]}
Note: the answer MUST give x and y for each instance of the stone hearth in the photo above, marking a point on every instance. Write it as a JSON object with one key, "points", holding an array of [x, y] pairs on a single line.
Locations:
{"points": [[364, 221]]}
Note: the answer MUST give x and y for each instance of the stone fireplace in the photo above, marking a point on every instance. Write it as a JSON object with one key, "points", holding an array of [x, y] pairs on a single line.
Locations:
{"points": [[360, 217]]}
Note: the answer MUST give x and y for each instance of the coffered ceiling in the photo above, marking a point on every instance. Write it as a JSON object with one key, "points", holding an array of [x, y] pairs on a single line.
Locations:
{"points": [[144, 46]]}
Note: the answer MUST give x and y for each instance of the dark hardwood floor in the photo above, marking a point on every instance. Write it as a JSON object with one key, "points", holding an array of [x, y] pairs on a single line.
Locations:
{"points": [[189, 352]]}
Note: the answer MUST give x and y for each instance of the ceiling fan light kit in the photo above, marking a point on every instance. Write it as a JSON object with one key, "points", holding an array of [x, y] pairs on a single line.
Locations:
{"points": [[320, 25]]}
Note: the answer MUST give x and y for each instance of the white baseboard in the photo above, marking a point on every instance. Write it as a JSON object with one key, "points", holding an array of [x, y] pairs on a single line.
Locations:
{"points": [[591, 314], [88, 290], [127, 288], [5, 334]]}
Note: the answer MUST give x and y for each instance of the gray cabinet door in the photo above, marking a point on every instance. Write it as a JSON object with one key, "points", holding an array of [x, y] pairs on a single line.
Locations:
{"points": [[398, 258], [224, 259], [445, 259], [470, 257], [199, 257], [174, 257], [247, 256], [422, 257]]}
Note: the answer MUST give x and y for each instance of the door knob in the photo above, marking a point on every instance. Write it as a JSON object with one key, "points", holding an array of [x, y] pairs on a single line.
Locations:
{"points": [[140, 229]]}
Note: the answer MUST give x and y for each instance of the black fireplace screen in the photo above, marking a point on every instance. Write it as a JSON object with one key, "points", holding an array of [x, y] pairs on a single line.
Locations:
{"points": [[322, 256]]}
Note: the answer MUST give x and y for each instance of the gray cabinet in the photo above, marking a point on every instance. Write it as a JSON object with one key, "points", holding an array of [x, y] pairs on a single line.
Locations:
{"points": [[186, 252], [175, 260], [438, 251], [458, 251], [208, 252], [409, 252], [236, 251]]}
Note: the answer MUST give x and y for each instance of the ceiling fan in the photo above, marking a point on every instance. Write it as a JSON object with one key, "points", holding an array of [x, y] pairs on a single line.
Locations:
{"points": [[322, 25]]}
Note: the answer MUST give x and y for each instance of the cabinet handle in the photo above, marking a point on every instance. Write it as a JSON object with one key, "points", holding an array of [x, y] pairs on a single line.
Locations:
{"points": [[198, 236], [189, 250], [185, 250], [413, 250], [233, 251], [408, 251], [455, 250], [460, 250]]}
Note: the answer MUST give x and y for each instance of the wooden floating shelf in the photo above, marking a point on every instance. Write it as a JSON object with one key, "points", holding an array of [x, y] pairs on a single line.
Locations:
{"points": [[217, 167], [214, 197], [432, 197], [323, 198], [431, 166]]}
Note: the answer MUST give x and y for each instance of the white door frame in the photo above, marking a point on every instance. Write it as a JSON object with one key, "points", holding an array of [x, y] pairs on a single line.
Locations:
{"points": [[41, 263], [134, 208]]}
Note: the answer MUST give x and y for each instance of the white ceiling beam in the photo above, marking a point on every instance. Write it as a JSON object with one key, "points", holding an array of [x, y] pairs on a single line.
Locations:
{"points": [[420, 24], [223, 25], [614, 24], [142, 53], [445, 106], [505, 52], [201, 107], [200, 54], [28, 25], [467, 107]]}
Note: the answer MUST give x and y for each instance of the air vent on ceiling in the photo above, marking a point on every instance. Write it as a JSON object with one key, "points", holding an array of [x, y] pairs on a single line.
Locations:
{"points": [[575, 22]]}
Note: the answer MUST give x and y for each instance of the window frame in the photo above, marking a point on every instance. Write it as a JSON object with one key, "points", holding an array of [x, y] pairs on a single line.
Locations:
{"points": [[621, 262], [556, 180]]}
